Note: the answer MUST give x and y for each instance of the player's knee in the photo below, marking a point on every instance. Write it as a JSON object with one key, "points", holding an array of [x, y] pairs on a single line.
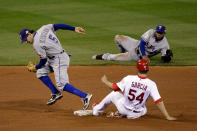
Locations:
{"points": [[96, 113], [60, 88], [61, 85], [120, 37], [117, 39], [39, 75]]}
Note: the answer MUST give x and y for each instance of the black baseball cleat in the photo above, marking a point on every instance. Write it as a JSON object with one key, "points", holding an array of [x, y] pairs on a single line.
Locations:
{"points": [[97, 57], [54, 98], [86, 101]]}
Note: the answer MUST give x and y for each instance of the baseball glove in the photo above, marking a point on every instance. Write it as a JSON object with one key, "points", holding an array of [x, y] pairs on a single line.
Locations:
{"points": [[31, 67], [167, 57]]}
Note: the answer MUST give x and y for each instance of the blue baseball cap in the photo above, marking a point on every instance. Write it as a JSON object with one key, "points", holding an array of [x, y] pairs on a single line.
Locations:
{"points": [[24, 34], [161, 29]]}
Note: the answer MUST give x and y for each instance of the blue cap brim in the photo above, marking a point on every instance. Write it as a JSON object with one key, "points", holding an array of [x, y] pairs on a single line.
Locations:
{"points": [[160, 32], [24, 39]]}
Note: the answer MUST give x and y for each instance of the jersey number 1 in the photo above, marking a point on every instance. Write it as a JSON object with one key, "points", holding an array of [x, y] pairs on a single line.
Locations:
{"points": [[133, 97]]}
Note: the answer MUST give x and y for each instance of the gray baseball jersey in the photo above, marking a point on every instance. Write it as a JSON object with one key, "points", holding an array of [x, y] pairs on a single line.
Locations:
{"points": [[47, 45], [154, 47], [131, 46]]}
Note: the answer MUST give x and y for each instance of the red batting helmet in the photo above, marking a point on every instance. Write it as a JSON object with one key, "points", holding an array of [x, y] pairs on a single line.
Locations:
{"points": [[142, 65]]}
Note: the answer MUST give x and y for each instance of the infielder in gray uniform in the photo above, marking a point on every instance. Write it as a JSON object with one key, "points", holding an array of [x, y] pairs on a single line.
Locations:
{"points": [[152, 43], [53, 58]]}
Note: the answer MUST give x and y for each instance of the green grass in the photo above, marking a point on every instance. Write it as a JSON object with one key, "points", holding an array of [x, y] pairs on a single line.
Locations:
{"points": [[102, 19]]}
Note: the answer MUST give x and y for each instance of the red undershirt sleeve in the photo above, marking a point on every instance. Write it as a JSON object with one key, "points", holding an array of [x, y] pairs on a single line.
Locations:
{"points": [[159, 100], [115, 87]]}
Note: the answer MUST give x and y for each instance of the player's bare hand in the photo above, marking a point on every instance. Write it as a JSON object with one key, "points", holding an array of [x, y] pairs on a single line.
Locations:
{"points": [[104, 79], [170, 118], [79, 30]]}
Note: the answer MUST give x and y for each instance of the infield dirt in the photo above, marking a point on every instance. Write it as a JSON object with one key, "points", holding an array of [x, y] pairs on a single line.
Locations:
{"points": [[23, 100]]}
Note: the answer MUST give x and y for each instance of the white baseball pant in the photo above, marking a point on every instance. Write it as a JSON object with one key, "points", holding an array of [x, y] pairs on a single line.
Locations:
{"points": [[117, 99]]}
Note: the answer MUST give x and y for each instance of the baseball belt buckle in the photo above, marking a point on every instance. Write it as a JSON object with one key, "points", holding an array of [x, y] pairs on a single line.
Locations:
{"points": [[134, 111]]}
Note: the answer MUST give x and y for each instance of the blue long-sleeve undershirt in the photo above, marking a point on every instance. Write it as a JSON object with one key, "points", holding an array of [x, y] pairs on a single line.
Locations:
{"points": [[63, 27], [142, 47], [41, 63]]}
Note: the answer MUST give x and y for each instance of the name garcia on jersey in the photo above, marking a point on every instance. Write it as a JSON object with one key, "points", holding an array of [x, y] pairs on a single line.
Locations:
{"points": [[139, 85]]}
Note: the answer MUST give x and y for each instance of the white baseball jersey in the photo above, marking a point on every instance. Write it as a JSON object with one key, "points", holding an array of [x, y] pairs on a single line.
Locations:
{"points": [[47, 45], [154, 47], [131, 103], [137, 90]]}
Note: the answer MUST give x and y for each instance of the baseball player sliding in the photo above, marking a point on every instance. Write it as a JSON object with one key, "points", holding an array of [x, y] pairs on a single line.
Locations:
{"points": [[152, 43], [53, 58], [135, 91]]}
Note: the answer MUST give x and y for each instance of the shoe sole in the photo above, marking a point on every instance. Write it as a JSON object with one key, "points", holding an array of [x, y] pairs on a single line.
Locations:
{"points": [[51, 103], [88, 102]]}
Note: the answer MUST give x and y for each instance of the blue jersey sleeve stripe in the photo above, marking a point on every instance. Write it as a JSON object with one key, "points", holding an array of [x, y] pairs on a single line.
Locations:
{"points": [[63, 27], [142, 47]]}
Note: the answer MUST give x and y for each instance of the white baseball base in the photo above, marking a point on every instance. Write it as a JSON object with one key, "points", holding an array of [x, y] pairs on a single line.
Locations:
{"points": [[83, 112]]}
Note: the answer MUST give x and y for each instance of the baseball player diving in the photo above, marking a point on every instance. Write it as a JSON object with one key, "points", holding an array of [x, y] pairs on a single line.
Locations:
{"points": [[152, 43], [130, 95], [53, 58]]}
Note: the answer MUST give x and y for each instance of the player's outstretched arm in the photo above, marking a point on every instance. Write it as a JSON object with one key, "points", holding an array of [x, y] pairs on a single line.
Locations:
{"points": [[163, 110], [79, 30], [68, 27], [105, 81]]}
